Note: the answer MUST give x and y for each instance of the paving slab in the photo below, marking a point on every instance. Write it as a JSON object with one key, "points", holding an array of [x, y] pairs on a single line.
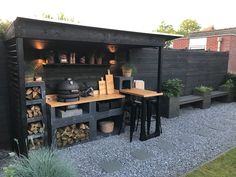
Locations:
{"points": [[110, 166], [141, 154]]}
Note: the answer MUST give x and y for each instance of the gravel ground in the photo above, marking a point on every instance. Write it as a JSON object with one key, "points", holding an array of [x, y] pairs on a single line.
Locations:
{"points": [[186, 142]]}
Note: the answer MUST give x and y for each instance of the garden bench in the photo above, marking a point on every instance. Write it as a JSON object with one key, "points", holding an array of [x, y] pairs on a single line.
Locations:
{"points": [[215, 94], [189, 99]]}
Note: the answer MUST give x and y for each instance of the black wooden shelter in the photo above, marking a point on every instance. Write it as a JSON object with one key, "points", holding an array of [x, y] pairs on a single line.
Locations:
{"points": [[23, 37]]}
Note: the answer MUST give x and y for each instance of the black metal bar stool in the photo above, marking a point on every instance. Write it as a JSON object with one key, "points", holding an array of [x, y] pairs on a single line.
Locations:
{"points": [[136, 113]]}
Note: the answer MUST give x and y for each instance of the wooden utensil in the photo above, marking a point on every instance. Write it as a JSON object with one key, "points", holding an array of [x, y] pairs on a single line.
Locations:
{"points": [[102, 87], [109, 83]]}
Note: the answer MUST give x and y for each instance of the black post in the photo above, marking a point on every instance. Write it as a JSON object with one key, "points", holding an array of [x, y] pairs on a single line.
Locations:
{"points": [[22, 129], [159, 76]]}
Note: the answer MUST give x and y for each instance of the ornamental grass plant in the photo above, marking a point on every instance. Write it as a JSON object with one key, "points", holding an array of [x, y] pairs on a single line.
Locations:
{"points": [[43, 162]]}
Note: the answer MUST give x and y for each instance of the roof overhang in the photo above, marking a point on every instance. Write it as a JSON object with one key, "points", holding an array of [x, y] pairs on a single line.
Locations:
{"points": [[51, 30]]}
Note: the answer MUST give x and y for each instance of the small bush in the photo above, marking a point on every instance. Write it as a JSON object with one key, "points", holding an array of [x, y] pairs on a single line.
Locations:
{"points": [[172, 87], [229, 84], [203, 89], [41, 163]]}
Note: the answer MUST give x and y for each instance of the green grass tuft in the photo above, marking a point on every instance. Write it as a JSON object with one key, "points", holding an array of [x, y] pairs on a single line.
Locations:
{"points": [[223, 166]]}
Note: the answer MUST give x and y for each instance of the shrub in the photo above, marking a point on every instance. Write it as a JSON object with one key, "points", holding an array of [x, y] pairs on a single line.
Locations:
{"points": [[172, 87], [229, 84], [40, 163], [203, 89]]}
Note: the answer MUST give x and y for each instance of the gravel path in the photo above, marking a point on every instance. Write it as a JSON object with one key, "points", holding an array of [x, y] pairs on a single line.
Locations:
{"points": [[186, 142]]}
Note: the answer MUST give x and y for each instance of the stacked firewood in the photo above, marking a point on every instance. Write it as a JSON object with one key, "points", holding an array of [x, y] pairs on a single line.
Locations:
{"points": [[35, 143], [33, 111], [34, 128], [33, 93], [72, 134]]}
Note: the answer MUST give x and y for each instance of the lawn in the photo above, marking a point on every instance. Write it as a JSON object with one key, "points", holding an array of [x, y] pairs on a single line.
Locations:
{"points": [[223, 166]]}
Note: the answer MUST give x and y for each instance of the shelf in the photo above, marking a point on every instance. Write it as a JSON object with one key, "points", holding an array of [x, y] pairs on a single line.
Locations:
{"points": [[32, 102], [62, 122], [34, 119], [109, 113], [34, 136], [70, 65]]}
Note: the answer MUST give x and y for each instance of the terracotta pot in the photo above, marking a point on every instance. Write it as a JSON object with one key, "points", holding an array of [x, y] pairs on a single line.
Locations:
{"points": [[127, 72]]}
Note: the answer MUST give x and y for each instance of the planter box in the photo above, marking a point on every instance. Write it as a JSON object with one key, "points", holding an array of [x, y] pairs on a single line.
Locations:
{"points": [[206, 103], [169, 106], [230, 97]]}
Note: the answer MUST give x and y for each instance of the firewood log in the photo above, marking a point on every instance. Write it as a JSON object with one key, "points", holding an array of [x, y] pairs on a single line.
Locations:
{"points": [[33, 93]]}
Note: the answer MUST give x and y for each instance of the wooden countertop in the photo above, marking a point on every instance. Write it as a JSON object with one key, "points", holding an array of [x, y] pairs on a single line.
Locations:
{"points": [[140, 92], [55, 103]]}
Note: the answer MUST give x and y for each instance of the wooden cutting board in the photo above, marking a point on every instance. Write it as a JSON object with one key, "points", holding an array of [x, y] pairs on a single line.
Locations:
{"points": [[102, 87], [109, 83]]}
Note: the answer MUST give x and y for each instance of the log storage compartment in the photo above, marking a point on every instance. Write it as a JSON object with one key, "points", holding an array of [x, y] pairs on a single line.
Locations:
{"points": [[33, 111], [36, 114], [72, 134], [35, 143], [35, 128], [33, 93]]}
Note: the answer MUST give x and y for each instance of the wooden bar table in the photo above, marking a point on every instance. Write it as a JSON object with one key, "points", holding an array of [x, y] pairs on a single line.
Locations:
{"points": [[146, 96]]}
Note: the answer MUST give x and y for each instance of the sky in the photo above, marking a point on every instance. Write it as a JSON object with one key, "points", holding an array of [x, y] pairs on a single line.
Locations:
{"points": [[134, 15]]}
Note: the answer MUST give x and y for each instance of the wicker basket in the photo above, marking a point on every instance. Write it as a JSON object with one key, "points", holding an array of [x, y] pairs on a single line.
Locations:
{"points": [[106, 126]]}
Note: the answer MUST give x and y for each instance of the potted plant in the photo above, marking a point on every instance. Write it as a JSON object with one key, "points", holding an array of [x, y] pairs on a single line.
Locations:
{"points": [[205, 92], [128, 70], [172, 89], [228, 86]]}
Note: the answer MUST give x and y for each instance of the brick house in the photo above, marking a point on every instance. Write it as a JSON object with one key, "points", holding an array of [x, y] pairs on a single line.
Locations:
{"points": [[222, 40]]}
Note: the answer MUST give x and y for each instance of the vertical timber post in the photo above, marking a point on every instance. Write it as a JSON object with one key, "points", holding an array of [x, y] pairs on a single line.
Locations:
{"points": [[159, 81], [22, 104]]}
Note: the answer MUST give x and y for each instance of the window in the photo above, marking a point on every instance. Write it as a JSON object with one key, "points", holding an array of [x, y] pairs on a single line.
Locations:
{"points": [[197, 43]]}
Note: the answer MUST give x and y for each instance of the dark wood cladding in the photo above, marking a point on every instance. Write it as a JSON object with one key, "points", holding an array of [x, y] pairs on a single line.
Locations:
{"points": [[82, 74], [4, 106], [16, 84], [38, 29], [194, 68]]}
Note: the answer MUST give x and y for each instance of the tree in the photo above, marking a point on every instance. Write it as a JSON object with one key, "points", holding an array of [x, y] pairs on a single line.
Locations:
{"points": [[4, 24], [188, 26], [165, 28]]}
